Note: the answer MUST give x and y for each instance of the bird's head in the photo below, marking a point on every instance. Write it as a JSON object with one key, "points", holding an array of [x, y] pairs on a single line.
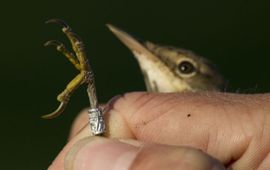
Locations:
{"points": [[171, 69]]}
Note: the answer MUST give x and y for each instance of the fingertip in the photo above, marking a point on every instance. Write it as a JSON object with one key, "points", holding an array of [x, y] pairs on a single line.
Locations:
{"points": [[100, 153]]}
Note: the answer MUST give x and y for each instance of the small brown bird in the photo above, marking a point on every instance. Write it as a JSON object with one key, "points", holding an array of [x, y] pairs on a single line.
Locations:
{"points": [[171, 69]]}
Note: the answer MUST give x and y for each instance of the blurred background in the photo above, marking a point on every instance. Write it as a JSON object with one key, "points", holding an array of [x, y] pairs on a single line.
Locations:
{"points": [[233, 34]]}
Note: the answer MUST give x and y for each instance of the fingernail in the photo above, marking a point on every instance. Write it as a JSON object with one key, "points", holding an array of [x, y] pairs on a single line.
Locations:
{"points": [[102, 154], [110, 103]]}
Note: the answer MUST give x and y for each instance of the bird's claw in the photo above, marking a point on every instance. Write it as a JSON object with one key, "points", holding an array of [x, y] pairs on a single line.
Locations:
{"points": [[57, 112], [59, 22], [53, 43], [79, 60]]}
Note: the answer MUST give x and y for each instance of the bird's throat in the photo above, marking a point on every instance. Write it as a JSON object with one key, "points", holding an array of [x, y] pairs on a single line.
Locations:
{"points": [[157, 76]]}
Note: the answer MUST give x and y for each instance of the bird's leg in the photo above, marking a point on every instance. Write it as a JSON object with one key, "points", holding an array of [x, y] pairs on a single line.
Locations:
{"points": [[81, 63], [86, 70], [86, 75]]}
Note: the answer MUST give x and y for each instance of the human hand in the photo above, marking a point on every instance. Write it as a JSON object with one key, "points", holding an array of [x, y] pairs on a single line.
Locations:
{"points": [[165, 131]]}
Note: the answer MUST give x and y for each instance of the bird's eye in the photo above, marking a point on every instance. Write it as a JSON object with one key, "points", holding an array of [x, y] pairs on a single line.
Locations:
{"points": [[186, 67]]}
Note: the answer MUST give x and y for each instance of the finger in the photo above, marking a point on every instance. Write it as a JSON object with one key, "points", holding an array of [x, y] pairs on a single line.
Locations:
{"points": [[101, 153], [232, 128], [83, 118]]}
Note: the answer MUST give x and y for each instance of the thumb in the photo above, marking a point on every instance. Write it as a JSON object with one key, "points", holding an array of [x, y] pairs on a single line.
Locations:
{"points": [[101, 153]]}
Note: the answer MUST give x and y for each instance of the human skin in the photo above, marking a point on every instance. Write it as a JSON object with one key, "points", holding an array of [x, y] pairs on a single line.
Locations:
{"points": [[207, 130]]}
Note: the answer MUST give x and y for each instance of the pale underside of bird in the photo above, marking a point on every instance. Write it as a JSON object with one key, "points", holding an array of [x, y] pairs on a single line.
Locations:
{"points": [[171, 69]]}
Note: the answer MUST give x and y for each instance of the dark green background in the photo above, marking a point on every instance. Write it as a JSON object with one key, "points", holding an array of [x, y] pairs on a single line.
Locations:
{"points": [[235, 34]]}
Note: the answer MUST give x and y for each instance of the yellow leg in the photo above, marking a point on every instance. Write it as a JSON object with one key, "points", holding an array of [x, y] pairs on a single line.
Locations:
{"points": [[81, 63], [71, 87]]}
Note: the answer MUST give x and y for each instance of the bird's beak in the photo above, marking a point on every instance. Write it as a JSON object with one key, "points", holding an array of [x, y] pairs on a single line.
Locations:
{"points": [[134, 45]]}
